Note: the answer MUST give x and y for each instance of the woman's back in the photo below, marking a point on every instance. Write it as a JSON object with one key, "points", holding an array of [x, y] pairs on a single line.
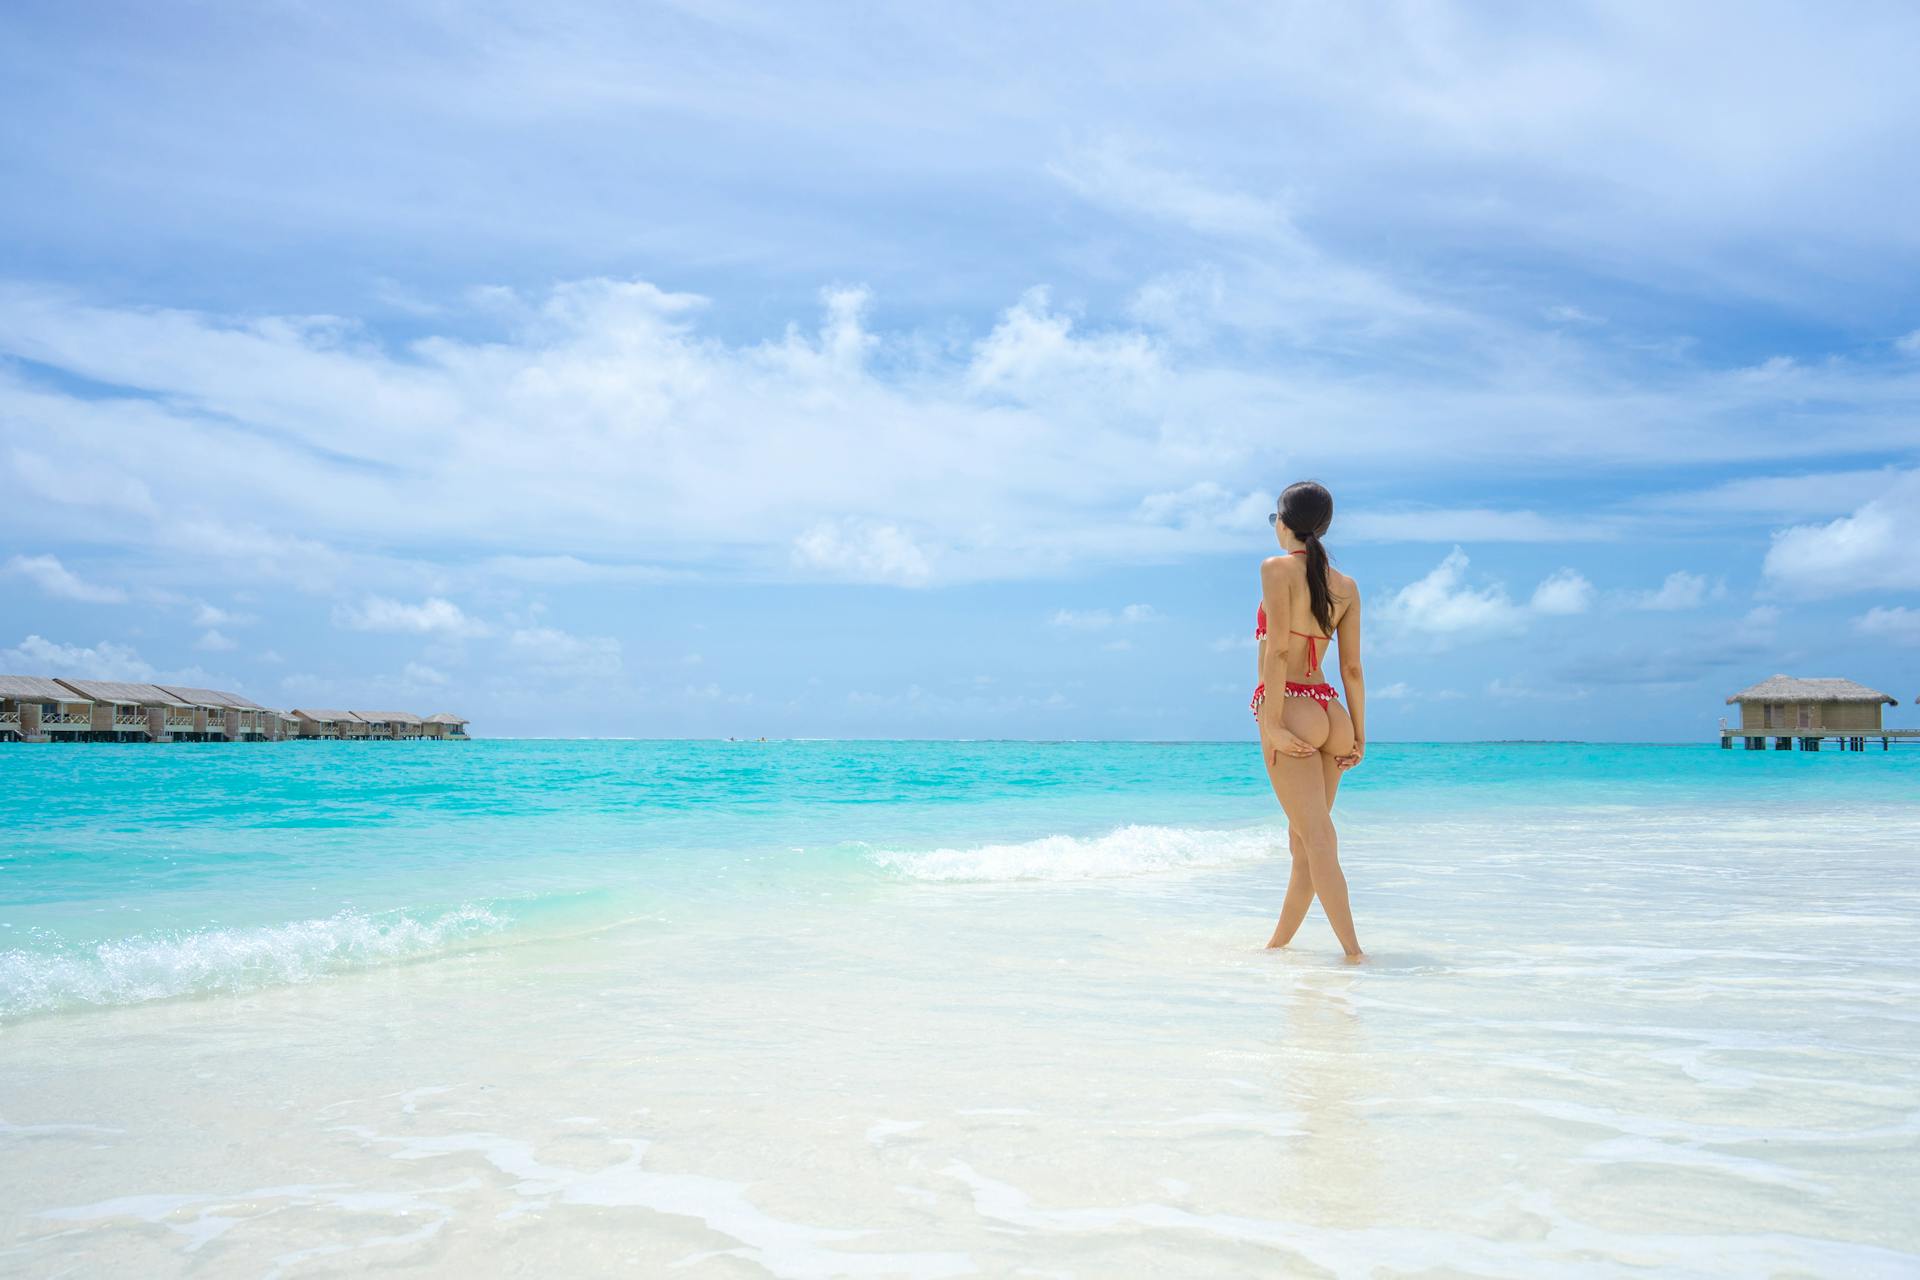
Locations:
{"points": [[1307, 646]]}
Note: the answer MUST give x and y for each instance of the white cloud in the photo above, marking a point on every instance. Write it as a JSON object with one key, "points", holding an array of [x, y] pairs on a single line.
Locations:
{"points": [[1207, 505], [1033, 352], [1565, 591], [551, 650], [209, 615], [104, 661], [1804, 494], [58, 581], [1471, 524], [1681, 590], [432, 616], [1910, 344], [418, 673], [1102, 619], [1399, 689], [863, 552], [1875, 548], [564, 570], [1761, 615], [1443, 604], [1897, 623], [1280, 277], [1520, 691], [212, 641], [1110, 174], [600, 419], [711, 692]]}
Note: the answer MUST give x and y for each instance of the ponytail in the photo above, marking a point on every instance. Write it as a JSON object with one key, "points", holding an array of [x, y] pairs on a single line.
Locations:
{"points": [[1306, 509], [1319, 597]]}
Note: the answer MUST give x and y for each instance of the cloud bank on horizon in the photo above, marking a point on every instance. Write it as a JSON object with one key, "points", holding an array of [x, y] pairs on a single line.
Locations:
{"points": [[629, 370]]}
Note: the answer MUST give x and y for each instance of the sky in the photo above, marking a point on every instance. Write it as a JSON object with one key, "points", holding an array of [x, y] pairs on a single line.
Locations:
{"points": [[643, 369]]}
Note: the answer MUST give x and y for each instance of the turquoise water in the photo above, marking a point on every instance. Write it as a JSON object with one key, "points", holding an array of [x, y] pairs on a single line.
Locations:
{"points": [[139, 873], [814, 1009]]}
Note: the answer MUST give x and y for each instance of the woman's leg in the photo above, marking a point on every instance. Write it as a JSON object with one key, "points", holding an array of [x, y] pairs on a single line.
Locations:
{"points": [[1293, 908], [1339, 742], [1303, 790]]}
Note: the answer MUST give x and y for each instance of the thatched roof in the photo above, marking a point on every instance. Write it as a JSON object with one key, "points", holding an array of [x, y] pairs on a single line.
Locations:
{"points": [[388, 717], [37, 689], [211, 698], [145, 695], [322, 714], [445, 717], [1817, 689]]}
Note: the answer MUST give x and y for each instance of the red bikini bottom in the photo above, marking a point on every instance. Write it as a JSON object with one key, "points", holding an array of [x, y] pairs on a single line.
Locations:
{"points": [[1322, 693]]}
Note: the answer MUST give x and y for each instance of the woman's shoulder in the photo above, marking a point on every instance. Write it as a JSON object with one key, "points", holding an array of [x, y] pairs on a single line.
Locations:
{"points": [[1281, 569]]}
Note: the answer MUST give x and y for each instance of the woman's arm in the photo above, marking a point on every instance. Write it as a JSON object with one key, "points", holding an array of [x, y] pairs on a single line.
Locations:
{"points": [[1353, 679]]}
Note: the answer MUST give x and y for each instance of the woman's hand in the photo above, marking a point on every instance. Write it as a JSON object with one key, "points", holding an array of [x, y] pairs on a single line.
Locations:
{"points": [[1352, 757], [1280, 739]]}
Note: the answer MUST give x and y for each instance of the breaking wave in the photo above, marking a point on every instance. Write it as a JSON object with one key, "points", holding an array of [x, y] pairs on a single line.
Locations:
{"points": [[146, 967], [1128, 851]]}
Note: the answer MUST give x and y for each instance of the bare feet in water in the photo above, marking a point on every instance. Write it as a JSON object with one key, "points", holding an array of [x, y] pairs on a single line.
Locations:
{"points": [[1274, 944]]}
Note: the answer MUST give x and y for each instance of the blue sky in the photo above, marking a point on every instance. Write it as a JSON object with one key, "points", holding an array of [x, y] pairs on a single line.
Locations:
{"points": [[675, 369]]}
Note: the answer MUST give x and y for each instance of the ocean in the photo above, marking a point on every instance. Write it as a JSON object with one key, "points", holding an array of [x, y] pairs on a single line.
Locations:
{"points": [[816, 1009]]}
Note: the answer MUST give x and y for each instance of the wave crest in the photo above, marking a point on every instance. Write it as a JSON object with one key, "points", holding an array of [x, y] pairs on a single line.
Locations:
{"points": [[146, 967], [1128, 851]]}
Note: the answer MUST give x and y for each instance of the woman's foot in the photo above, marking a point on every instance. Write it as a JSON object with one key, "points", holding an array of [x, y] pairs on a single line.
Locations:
{"points": [[1355, 957]]}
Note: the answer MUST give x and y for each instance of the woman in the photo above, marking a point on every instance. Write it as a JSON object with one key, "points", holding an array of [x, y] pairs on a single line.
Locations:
{"points": [[1308, 739]]}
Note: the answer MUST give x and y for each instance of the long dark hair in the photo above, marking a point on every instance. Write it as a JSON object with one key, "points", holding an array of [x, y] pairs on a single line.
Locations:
{"points": [[1307, 509]]}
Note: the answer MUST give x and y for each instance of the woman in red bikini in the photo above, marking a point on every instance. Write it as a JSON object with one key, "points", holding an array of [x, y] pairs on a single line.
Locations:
{"points": [[1307, 738]]}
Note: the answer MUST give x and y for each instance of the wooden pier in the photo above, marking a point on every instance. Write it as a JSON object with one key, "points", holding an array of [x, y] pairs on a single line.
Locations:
{"points": [[1812, 741]]}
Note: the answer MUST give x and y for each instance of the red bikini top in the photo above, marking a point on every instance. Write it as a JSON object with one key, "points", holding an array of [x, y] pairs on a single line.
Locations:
{"points": [[1313, 641]]}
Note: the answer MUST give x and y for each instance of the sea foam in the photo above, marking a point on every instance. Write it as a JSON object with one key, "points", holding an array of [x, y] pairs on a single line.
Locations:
{"points": [[155, 966], [1127, 851]]}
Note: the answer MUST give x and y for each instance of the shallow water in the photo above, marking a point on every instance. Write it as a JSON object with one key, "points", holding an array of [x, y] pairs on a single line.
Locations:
{"points": [[821, 1009]]}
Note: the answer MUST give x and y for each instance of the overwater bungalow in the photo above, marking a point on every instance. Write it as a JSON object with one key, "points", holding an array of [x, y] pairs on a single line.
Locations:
{"points": [[223, 717], [445, 725], [39, 709], [391, 724], [126, 712], [320, 722], [1806, 710], [35, 709]]}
